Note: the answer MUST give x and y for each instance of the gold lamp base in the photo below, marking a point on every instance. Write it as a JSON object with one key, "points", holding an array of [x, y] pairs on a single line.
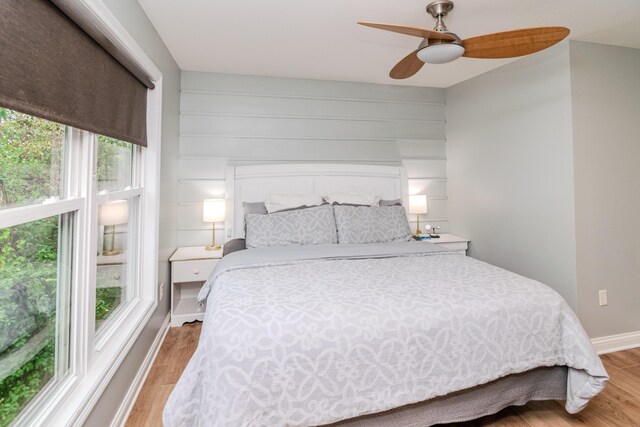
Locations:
{"points": [[111, 253], [213, 246], [112, 250], [418, 231]]}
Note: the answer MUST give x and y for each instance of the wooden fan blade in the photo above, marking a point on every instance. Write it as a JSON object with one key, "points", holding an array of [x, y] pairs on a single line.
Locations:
{"points": [[411, 31], [407, 67], [511, 44]]}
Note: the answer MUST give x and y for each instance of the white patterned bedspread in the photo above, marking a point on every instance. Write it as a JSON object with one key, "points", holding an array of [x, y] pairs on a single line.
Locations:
{"points": [[313, 335]]}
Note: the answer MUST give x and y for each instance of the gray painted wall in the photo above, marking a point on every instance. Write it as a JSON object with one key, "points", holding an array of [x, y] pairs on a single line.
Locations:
{"points": [[605, 83], [135, 21], [510, 168], [232, 119]]}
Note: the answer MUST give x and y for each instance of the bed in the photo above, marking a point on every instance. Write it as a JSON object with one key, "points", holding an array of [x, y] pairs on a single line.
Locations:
{"points": [[392, 333]]}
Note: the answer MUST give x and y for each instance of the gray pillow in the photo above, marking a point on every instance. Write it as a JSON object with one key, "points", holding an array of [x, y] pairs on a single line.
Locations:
{"points": [[254, 208], [372, 224], [394, 202], [311, 226], [232, 246]]}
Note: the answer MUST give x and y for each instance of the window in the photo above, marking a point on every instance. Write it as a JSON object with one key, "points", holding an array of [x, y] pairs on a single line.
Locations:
{"points": [[55, 181], [115, 164], [31, 159], [117, 177], [35, 261], [34, 310], [63, 190]]}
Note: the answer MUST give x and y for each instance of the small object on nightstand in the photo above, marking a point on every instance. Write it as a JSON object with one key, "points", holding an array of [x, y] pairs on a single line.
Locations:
{"points": [[422, 237], [434, 232]]}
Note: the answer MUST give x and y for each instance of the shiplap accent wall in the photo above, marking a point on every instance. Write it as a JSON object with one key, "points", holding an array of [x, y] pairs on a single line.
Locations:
{"points": [[239, 120]]}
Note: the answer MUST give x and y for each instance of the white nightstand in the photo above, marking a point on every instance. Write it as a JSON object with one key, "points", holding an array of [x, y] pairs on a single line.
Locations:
{"points": [[190, 267], [453, 242]]}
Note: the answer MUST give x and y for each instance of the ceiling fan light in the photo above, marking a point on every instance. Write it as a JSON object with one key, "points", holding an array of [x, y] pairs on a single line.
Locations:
{"points": [[440, 53]]}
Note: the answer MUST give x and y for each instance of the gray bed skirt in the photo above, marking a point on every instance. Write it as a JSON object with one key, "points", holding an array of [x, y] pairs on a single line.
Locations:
{"points": [[547, 383]]}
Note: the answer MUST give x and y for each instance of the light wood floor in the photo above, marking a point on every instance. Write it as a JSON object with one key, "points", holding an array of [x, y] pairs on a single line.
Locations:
{"points": [[617, 405]]}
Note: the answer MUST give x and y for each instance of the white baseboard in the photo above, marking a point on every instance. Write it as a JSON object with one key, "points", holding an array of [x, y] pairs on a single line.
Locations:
{"points": [[616, 342], [130, 398]]}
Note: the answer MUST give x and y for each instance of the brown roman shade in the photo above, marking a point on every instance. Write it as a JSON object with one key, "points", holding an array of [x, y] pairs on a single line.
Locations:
{"points": [[51, 68]]}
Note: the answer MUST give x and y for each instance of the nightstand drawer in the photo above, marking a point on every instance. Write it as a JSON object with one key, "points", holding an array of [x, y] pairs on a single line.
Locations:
{"points": [[459, 246], [192, 271]]}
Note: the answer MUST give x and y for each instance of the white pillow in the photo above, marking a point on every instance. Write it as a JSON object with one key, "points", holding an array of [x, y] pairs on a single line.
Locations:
{"points": [[277, 201], [353, 199]]}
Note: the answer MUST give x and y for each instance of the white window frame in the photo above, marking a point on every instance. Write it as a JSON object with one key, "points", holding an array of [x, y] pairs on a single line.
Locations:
{"points": [[95, 358]]}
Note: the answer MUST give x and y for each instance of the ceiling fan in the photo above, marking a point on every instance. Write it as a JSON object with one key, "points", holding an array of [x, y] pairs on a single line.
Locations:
{"points": [[439, 46]]}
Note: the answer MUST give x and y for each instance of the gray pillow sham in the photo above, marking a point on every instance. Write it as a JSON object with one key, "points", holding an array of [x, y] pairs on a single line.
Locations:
{"points": [[310, 226], [394, 202], [371, 224], [254, 208]]}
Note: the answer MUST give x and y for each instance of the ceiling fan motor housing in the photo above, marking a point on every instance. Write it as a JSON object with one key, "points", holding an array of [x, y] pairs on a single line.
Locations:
{"points": [[437, 51]]}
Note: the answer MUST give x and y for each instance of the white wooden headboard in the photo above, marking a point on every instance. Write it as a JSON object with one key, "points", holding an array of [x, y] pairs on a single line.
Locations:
{"points": [[253, 183]]}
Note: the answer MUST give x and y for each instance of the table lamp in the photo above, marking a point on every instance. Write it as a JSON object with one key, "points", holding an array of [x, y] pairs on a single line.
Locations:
{"points": [[213, 211], [417, 206], [110, 215]]}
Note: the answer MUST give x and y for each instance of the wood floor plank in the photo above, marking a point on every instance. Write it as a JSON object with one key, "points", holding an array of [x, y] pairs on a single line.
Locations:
{"points": [[628, 379], [622, 359], [174, 354], [147, 395], [612, 394], [617, 405], [623, 414], [155, 413]]}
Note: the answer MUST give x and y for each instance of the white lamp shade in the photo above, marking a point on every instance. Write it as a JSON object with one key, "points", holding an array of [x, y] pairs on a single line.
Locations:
{"points": [[440, 53], [418, 204], [213, 210], [114, 213]]}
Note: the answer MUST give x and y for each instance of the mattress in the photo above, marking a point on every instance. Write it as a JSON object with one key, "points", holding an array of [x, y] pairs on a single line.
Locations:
{"points": [[320, 334]]}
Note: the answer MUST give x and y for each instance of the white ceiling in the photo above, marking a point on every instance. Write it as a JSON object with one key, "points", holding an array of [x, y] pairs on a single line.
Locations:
{"points": [[319, 39]]}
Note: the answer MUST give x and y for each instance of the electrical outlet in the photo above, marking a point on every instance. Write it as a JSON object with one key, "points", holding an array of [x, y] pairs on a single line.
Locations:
{"points": [[161, 291], [602, 297]]}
